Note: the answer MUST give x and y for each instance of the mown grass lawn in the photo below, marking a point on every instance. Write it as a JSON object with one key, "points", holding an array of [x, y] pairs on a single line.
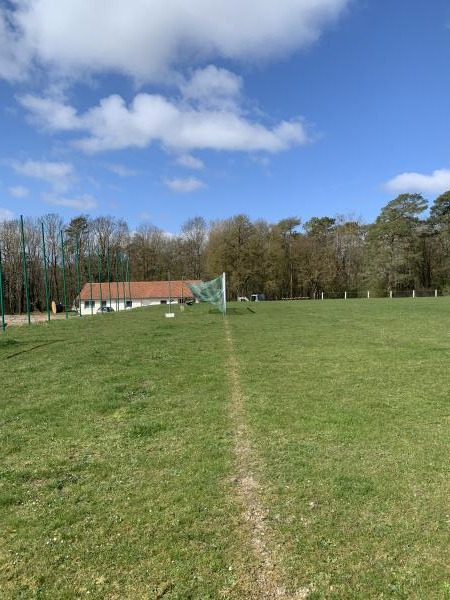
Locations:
{"points": [[116, 458], [349, 407], [118, 451]]}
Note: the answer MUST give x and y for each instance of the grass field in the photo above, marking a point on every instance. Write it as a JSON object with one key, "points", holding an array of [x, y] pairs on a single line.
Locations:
{"points": [[301, 451]]}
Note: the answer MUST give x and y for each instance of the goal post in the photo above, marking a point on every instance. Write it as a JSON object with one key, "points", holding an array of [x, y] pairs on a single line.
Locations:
{"points": [[213, 291], [224, 293]]}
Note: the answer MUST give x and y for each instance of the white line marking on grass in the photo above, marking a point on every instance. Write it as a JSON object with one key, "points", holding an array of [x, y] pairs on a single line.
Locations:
{"points": [[266, 580]]}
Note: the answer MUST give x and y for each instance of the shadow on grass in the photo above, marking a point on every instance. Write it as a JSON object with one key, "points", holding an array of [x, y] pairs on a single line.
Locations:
{"points": [[232, 311], [4, 343], [34, 348]]}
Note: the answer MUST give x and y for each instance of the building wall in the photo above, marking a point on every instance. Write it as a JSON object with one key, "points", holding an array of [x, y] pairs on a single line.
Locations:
{"points": [[135, 303]]}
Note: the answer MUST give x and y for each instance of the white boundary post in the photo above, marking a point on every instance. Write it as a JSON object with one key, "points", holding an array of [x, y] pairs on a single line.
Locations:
{"points": [[368, 294], [322, 295], [390, 294], [345, 295], [224, 285], [435, 293], [169, 313], [414, 294]]}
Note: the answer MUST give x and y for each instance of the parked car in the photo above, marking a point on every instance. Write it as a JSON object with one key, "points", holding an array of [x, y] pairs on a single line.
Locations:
{"points": [[105, 309]]}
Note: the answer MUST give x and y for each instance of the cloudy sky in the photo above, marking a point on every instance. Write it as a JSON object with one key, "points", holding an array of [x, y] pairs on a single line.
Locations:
{"points": [[160, 110]]}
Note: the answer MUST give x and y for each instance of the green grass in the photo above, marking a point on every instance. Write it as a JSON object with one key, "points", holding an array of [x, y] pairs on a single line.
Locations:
{"points": [[118, 464], [348, 403], [117, 459]]}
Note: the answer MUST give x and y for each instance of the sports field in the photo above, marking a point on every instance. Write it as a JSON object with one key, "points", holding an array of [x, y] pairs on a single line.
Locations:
{"points": [[299, 451]]}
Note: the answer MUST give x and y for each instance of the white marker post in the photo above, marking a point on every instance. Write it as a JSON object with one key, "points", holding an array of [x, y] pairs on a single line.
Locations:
{"points": [[224, 291], [170, 315]]}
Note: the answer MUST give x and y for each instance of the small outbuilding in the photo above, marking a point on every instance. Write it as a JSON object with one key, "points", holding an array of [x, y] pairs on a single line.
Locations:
{"points": [[132, 294]]}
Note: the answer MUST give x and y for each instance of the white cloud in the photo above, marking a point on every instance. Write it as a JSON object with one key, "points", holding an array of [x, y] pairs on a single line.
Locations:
{"points": [[6, 214], [78, 37], [60, 116], [113, 125], [184, 186], [14, 55], [59, 174], [83, 202], [213, 87], [18, 191], [190, 162], [120, 170], [436, 183]]}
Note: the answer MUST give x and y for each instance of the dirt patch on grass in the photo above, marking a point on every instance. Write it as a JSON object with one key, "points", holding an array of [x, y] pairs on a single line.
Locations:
{"points": [[266, 579], [35, 317]]}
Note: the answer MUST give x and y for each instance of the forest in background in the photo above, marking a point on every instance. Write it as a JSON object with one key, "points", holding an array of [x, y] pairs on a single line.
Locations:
{"points": [[407, 247]]}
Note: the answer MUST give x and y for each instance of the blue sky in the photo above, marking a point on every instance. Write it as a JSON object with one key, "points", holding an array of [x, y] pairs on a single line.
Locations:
{"points": [[164, 110]]}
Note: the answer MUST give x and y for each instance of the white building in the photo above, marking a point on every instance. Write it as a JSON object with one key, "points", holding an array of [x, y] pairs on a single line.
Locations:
{"points": [[132, 294]]}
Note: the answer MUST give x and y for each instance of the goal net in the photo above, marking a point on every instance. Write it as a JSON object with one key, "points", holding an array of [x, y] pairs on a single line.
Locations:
{"points": [[213, 291]]}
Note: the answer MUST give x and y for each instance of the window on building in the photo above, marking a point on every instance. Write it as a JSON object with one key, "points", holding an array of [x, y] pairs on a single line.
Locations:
{"points": [[163, 301], [88, 304], [129, 304], [103, 302]]}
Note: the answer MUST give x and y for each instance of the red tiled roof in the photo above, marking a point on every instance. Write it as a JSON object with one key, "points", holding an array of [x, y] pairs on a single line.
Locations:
{"points": [[139, 290]]}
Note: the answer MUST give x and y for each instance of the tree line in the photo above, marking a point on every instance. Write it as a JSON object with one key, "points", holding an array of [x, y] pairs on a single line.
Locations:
{"points": [[406, 247]]}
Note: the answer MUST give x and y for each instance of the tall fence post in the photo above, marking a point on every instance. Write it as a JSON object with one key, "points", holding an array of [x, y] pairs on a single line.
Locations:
{"points": [[44, 259], [25, 272], [108, 267], [63, 264], [123, 282], [77, 250], [117, 283], [90, 276], [99, 264], [2, 305], [128, 275]]}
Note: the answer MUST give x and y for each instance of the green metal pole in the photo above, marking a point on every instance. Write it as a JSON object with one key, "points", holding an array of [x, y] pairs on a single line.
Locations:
{"points": [[44, 258], [128, 275], [2, 305], [25, 273], [181, 301], [123, 282], [90, 277], [77, 250], [63, 264], [108, 266], [117, 282], [100, 276]]}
